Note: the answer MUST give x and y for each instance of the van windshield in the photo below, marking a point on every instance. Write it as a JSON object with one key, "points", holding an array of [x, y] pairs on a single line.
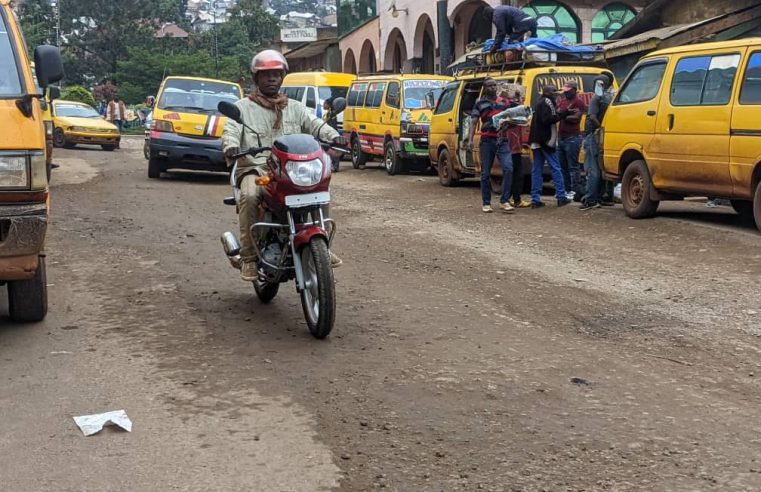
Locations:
{"points": [[196, 96], [10, 79], [415, 91], [75, 110]]}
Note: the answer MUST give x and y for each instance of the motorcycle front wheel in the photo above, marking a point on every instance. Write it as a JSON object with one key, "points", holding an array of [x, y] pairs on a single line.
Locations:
{"points": [[319, 295]]}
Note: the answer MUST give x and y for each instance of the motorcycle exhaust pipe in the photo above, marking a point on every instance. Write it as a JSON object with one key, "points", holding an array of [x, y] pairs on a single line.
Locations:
{"points": [[232, 249]]}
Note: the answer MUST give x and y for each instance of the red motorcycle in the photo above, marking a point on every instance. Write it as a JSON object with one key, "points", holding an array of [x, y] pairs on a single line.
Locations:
{"points": [[295, 235]]}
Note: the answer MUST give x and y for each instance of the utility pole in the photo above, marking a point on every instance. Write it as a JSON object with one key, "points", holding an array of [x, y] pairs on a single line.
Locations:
{"points": [[216, 43], [56, 4]]}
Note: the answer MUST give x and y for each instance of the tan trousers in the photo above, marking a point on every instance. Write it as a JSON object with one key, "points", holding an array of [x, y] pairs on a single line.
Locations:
{"points": [[248, 211]]}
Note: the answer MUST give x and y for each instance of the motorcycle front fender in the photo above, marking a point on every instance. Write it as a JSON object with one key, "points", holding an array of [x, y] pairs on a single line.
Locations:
{"points": [[305, 235]]}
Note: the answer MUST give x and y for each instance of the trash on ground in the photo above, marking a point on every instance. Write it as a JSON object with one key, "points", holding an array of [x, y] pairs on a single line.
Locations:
{"points": [[92, 424], [580, 382]]}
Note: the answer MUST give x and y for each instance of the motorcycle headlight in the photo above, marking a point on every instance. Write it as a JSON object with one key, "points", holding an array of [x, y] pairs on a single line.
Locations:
{"points": [[14, 171], [304, 173]]}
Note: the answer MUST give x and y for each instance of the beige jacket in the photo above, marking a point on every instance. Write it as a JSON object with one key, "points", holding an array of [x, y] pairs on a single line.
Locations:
{"points": [[296, 119]]}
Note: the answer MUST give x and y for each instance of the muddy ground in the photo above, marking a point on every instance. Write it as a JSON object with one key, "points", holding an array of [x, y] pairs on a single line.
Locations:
{"points": [[549, 350]]}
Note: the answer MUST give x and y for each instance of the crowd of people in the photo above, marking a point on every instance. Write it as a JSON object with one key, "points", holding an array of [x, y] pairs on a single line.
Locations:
{"points": [[556, 138]]}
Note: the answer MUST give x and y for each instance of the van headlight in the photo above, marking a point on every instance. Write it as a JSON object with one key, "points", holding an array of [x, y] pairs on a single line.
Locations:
{"points": [[304, 173], [14, 171]]}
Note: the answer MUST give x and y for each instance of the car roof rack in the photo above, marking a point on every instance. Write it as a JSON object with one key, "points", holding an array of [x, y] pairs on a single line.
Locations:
{"points": [[563, 58]]}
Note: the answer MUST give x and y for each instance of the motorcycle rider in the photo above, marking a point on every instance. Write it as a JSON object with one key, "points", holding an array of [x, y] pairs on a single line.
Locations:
{"points": [[271, 114]]}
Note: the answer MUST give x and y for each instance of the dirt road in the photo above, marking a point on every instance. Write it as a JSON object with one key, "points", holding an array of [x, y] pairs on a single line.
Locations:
{"points": [[550, 350]]}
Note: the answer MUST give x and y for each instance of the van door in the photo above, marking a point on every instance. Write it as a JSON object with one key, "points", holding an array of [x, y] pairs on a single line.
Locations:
{"points": [[443, 127], [745, 130], [630, 121], [391, 113], [690, 150], [375, 130], [471, 93]]}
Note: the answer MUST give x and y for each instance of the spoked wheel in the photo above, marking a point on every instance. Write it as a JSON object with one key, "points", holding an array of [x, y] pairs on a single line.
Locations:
{"points": [[266, 291], [319, 295]]}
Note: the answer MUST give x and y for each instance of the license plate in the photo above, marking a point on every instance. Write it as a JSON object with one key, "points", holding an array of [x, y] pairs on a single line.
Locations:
{"points": [[297, 201]]}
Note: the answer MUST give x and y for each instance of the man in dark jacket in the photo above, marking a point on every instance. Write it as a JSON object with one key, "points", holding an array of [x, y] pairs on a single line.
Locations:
{"points": [[544, 140], [511, 22]]}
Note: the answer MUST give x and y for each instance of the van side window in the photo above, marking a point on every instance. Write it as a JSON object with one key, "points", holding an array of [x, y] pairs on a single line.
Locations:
{"points": [[446, 101], [704, 80], [375, 95], [311, 98], [362, 94], [751, 88], [353, 95], [643, 84], [392, 96], [295, 93]]}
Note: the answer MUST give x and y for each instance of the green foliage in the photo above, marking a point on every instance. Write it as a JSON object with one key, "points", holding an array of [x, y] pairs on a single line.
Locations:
{"points": [[78, 93], [108, 40], [37, 22]]}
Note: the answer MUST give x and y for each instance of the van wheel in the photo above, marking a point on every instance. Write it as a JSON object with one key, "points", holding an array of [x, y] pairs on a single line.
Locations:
{"points": [[358, 158], [59, 139], [743, 207], [28, 299], [757, 206], [108, 147], [635, 191], [154, 168], [445, 169], [391, 159]]}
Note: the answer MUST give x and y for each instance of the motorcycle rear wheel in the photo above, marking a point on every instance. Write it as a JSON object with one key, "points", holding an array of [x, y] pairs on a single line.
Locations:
{"points": [[265, 291], [318, 299]]}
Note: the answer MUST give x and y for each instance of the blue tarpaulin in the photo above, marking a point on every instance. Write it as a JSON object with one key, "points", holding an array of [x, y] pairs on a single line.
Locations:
{"points": [[555, 43]]}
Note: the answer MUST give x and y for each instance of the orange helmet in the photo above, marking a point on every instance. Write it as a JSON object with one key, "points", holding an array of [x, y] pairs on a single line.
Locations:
{"points": [[268, 60]]}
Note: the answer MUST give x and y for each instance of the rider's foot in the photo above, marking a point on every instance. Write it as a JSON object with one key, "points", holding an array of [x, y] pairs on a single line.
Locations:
{"points": [[335, 261], [248, 271]]}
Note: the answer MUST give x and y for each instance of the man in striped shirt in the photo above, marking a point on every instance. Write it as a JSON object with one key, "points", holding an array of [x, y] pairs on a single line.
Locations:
{"points": [[493, 145]]}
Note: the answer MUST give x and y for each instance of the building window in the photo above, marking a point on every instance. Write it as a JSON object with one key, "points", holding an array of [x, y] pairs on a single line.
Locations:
{"points": [[554, 18], [610, 20], [354, 13]]}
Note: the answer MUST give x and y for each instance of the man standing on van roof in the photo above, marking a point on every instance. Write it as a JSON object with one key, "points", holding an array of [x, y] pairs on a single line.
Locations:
{"points": [[544, 140], [271, 114], [511, 22], [569, 133]]}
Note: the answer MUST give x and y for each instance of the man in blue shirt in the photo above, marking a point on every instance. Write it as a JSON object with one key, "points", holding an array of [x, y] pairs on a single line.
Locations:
{"points": [[511, 22]]}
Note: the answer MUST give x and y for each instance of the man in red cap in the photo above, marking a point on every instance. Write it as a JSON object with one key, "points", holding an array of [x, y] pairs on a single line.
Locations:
{"points": [[569, 134]]}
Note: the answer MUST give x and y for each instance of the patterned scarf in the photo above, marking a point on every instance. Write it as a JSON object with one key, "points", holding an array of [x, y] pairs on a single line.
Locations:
{"points": [[276, 104]]}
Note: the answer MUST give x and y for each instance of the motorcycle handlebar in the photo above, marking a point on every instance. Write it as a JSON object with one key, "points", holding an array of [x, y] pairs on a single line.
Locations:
{"points": [[251, 151]]}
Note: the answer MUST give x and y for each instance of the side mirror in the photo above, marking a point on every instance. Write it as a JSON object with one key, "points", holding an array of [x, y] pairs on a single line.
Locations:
{"points": [[54, 92], [430, 100], [339, 105], [48, 65], [230, 110]]}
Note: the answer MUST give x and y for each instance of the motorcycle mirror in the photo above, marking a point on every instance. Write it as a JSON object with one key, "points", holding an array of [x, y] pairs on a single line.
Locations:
{"points": [[339, 104], [230, 110]]}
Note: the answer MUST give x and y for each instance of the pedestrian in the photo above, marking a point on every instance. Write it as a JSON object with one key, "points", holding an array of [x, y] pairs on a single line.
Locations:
{"points": [[515, 142], [511, 22], [493, 145], [117, 113], [569, 146], [543, 138], [603, 88]]}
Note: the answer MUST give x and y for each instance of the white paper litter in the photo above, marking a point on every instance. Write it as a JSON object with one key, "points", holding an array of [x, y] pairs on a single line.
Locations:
{"points": [[92, 424]]}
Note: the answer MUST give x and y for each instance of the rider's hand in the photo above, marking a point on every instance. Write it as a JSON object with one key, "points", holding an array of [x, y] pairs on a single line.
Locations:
{"points": [[231, 152], [341, 141], [468, 145]]}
